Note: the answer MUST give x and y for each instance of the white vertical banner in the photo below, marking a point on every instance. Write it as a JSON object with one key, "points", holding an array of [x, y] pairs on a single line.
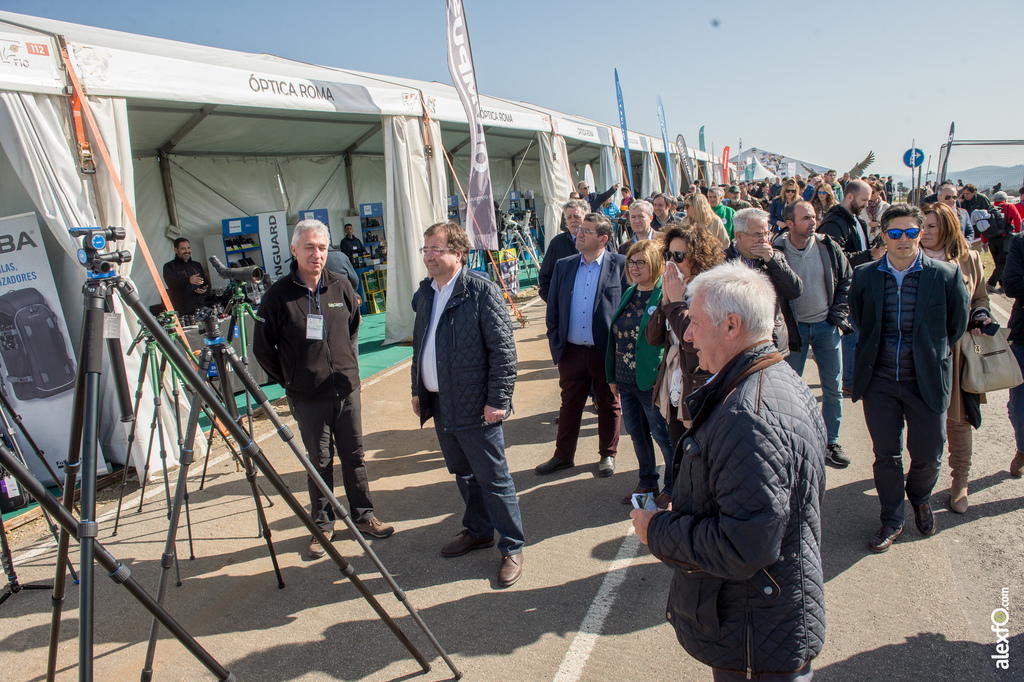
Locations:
{"points": [[274, 243], [791, 170], [36, 351], [483, 229]]}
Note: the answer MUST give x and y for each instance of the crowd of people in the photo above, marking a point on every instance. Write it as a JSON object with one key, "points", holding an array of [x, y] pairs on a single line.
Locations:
{"points": [[691, 328]]}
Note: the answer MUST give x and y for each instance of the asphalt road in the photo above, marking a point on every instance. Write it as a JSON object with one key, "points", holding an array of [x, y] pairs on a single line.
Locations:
{"points": [[590, 605]]}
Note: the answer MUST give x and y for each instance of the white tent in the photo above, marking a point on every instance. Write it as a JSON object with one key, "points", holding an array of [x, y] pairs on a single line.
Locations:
{"points": [[198, 134], [760, 172]]}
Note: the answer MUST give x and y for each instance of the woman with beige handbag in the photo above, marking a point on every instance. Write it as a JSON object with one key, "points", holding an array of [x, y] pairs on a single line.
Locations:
{"points": [[941, 239]]}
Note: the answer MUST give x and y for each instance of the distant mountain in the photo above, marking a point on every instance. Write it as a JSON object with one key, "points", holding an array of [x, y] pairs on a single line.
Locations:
{"points": [[985, 177]]}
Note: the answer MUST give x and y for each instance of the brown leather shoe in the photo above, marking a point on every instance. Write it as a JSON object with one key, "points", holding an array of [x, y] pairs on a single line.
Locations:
{"points": [[883, 539], [628, 499], [511, 570], [663, 501], [924, 519], [463, 543], [1017, 465]]}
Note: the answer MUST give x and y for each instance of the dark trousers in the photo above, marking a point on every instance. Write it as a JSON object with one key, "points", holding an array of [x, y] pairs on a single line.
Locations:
{"points": [[477, 458], [324, 426], [887, 405], [998, 247], [581, 368]]}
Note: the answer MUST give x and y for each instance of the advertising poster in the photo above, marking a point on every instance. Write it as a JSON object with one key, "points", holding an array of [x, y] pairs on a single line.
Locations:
{"points": [[274, 243], [37, 354]]}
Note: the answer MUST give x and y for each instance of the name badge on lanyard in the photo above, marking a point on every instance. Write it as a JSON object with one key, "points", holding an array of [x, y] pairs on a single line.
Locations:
{"points": [[315, 327]]}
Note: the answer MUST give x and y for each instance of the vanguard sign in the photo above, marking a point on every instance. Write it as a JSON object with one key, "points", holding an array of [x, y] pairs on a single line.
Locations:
{"points": [[482, 228]]}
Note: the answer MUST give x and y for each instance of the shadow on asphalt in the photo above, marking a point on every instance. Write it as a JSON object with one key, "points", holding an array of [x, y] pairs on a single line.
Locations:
{"points": [[924, 656]]}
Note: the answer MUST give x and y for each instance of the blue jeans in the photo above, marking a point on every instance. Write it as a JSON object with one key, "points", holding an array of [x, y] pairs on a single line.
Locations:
{"points": [[477, 458], [849, 344], [1015, 406], [643, 421], [823, 339]]}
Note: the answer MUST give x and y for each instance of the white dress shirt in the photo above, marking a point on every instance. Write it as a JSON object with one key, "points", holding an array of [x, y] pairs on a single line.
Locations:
{"points": [[428, 362]]}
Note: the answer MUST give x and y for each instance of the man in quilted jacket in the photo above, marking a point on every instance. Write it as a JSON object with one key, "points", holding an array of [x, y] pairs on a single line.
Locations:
{"points": [[743, 535], [463, 373]]}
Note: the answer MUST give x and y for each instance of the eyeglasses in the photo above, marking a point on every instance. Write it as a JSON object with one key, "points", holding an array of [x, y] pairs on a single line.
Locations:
{"points": [[434, 250], [636, 264], [585, 231], [677, 256], [759, 236], [911, 232]]}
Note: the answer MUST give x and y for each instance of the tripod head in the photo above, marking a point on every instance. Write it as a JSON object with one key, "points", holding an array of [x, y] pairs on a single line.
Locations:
{"points": [[94, 239]]}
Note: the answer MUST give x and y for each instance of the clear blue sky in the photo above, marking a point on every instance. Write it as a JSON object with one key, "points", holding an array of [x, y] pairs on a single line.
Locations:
{"points": [[821, 81]]}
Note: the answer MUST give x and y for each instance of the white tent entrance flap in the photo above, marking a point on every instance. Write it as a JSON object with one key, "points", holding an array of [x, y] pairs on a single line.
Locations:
{"points": [[556, 181]]}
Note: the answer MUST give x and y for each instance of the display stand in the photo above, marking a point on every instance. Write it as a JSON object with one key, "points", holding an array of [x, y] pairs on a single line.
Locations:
{"points": [[371, 224], [375, 286], [242, 241]]}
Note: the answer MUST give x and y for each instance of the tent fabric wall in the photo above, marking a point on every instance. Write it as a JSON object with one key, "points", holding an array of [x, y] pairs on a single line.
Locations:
{"points": [[651, 182], [555, 181], [412, 207], [32, 134]]}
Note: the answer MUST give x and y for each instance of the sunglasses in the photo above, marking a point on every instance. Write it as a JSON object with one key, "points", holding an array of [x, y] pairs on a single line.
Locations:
{"points": [[821, 194], [677, 256], [911, 232]]}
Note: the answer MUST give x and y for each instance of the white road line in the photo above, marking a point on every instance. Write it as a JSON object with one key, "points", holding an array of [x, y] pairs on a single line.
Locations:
{"points": [[994, 302], [590, 629]]}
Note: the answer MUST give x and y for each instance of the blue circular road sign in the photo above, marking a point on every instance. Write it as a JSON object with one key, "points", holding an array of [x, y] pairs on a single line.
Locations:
{"points": [[913, 158]]}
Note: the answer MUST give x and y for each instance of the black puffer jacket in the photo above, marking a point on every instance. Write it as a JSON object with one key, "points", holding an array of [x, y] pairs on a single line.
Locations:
{"points": [[744, 535], [476, 353]]}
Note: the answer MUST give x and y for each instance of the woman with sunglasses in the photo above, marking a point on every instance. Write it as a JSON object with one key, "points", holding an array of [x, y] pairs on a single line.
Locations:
{"points": [[699, 214], [777, 211], [688, 252], [941, 239], [823, 200], [631, 363]]}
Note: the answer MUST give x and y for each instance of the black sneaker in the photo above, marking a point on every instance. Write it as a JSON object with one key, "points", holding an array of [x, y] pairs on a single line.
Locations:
{"points": [[834, 453]]}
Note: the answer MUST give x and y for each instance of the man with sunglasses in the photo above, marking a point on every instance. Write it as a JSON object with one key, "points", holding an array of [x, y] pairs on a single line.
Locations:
{"points": [[586, 290], [595, 200], [910, 310]]}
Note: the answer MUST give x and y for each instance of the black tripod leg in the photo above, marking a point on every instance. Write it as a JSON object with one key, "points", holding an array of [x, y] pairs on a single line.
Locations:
{"points": [[117, 571], [131, 298], [339, 510], [250, 470], [131, 436], [7, 559], [158, 403], [169, 556], [28, 438]]}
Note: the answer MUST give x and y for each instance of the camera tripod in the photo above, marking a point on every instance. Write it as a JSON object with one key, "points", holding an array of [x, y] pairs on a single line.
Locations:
{"points": [[102, 281]]}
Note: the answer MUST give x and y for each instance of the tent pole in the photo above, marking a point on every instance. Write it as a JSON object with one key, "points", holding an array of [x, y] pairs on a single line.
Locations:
{"points": [[165, 176], [348, 181]]}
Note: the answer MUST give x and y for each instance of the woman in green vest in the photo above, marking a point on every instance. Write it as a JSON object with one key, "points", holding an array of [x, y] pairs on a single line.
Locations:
{"points": [[632, 364]]}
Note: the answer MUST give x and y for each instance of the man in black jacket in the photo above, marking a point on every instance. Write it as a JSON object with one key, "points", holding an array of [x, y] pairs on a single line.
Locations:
{"points": [[816, 319], [743, 540], [910, 310], [562, 244], [463, 375], [595, 200], [306, 338], [752, 246], [186, 280]]}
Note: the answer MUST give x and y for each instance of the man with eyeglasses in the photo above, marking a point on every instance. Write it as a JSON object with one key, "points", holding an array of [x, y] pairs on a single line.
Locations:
{"points": [[586, 290], [595, 200], [463, 375], [641, 223], [817, 317], [910, 310], [947, 195], [752, 245]]}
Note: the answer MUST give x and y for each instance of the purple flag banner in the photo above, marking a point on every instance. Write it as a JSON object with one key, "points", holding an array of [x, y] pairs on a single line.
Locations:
{"points": [[482, 228]]}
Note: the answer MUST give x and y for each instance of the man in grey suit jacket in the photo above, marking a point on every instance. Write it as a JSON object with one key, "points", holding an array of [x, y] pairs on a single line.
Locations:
{"points": [[585, 291], [910, 310]]}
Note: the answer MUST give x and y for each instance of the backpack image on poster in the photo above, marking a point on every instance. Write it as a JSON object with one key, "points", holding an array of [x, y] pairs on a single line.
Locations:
{"points": [[32, 347]]}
